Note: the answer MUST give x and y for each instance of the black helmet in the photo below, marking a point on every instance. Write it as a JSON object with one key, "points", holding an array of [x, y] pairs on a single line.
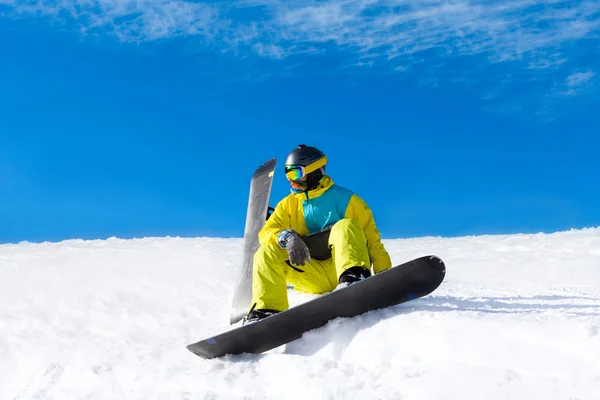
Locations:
{"points": [[304, 155]]}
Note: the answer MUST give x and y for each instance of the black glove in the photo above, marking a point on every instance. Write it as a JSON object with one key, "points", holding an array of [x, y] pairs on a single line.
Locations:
{"points": [[295, 246]]}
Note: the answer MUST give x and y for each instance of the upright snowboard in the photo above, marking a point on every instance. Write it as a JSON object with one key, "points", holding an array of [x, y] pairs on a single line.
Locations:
{"points": [[258, 206], [397, 285]]}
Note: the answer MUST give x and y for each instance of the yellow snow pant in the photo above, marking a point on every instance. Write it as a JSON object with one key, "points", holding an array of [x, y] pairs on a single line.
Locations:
{"points": [[272, 270]]}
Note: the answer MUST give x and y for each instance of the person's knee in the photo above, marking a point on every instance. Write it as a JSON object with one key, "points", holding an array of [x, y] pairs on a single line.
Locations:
{"points": [[345, 225], [346, 228], [347, 231]]}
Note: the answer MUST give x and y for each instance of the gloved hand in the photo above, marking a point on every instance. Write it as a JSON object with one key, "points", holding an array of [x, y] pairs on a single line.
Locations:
{"points": [[295, 246]]}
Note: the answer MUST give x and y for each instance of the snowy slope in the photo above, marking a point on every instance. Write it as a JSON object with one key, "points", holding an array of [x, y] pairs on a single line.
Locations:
{"points": [[518, 317]]}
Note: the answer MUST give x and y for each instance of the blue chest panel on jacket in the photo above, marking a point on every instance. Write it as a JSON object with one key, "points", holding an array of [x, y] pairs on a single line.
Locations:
{"points": [[324, 211]]}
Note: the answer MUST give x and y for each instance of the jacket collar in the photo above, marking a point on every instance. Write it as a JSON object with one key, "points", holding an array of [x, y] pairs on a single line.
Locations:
{"points": [[324, 185]]}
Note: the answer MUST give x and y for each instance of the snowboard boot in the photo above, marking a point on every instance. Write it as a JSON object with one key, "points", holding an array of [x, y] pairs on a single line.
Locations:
{"points": [[352, 275], [257, 315]]}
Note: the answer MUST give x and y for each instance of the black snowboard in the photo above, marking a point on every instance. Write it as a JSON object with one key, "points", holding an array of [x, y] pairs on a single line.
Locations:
{"points": [[258, 205], [397, 285]]}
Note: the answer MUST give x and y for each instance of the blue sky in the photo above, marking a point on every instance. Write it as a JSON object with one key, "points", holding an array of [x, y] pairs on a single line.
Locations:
{"points": [[449, 118]]}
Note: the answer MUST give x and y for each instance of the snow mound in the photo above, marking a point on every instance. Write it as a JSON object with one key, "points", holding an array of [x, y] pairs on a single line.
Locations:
{"points": [[518, 317]]}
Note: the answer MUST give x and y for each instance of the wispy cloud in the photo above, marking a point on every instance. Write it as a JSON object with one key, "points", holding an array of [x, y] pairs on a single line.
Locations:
{"points": [[576, 83], [579, 79], [390, 29], [533, 36], [503, 30], [129, 20]]}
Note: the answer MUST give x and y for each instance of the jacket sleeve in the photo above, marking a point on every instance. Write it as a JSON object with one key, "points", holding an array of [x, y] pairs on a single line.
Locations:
{"points": [[361, 213], [278, 221]]}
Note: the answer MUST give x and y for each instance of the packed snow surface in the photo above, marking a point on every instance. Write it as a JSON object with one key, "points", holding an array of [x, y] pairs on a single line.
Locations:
{"points": [[518, 317]]}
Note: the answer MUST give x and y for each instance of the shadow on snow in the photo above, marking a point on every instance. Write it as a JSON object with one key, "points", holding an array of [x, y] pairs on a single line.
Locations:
{"points": [[340, 332]]}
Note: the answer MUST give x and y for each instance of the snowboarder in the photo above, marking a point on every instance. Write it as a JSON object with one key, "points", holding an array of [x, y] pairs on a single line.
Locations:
{"points": [[320, 209]]}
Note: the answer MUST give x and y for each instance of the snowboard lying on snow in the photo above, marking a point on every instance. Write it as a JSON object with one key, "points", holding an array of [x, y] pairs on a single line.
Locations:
{"points": [[402, 283]]}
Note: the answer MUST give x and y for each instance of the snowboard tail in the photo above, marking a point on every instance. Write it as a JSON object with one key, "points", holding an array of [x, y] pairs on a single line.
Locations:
{"points": [[257, 213], [397, 285]]}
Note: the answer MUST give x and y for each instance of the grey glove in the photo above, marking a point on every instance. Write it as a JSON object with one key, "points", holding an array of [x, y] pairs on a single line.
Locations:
{"points": [[295, 246]]}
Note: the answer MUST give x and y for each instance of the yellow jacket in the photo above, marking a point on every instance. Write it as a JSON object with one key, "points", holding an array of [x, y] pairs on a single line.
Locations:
{"points": [[319, 209]]}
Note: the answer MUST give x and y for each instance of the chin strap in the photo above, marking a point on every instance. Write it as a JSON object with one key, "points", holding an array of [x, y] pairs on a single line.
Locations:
{"points": [[297, 187], [313, 181]]}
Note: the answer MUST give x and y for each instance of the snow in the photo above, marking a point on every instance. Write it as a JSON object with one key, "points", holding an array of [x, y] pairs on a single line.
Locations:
{"points": [[517, 317]]}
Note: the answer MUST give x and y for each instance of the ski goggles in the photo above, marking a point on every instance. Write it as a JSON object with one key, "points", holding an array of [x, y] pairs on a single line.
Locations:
{"points": [[296, 172]]}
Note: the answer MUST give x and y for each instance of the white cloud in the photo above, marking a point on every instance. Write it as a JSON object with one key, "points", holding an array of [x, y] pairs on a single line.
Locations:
{"points": [[129, 20], [503, 30], [394, 28], [579, 79], [576, 83], [533, 36]]}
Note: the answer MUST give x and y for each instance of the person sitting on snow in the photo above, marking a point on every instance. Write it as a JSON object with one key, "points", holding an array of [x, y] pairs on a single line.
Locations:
{"points": [[341, 222]]}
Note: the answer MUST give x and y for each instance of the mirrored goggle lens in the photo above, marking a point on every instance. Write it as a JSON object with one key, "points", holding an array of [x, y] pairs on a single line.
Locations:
{"points": [[294, 172]]}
